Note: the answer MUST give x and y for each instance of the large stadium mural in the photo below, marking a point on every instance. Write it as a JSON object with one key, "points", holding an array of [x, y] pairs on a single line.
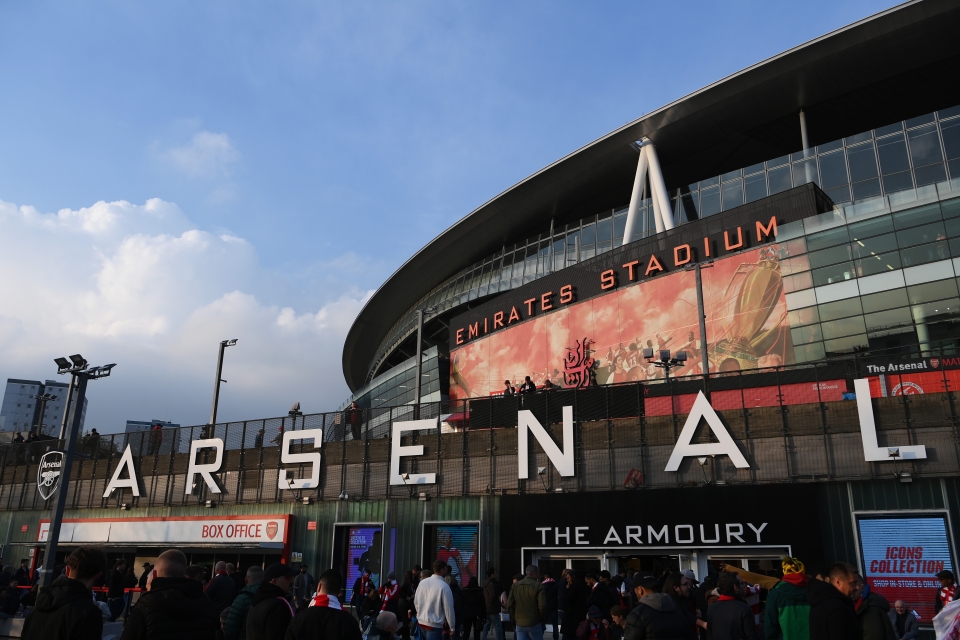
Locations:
{"points": [[601, 340]]}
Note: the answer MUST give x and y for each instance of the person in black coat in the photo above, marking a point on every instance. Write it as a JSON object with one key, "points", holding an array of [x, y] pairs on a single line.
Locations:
{"points": [[10, 600], [551, 591], [730, 618], [115, 586], [221, 589], [475, 611], [575, 607], [656, 615], [65, 609], [599, 595], [325, 619], [270, 610], [174, 607], [832, 616]]}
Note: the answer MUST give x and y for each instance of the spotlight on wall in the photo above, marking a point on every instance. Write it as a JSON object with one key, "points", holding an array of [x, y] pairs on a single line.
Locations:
{"points": [[541, 471], [209, 504], [423, 497], [307, 500], [343, 496], [124, 506]]}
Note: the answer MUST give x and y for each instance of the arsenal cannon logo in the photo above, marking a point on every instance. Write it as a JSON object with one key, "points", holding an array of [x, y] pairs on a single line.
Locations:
{"points": [[48, 473]]}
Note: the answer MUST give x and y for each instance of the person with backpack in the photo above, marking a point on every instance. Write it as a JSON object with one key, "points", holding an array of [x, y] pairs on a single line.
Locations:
{"points": [[235, 626], [270, 610], [325, 617], [65, 609]]}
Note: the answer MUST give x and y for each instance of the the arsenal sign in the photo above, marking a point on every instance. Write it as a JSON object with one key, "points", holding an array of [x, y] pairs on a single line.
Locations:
{"points": [[48, 473]]}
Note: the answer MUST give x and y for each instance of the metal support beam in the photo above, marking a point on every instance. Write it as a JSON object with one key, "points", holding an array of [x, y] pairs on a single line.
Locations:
{"points": [[658, 189], [636, 197], [805, 141]]}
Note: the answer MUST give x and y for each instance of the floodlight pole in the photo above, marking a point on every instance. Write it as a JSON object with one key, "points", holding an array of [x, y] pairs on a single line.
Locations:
{"points": [[56, 518], [43, 407], [216, 385], [66, 409]]}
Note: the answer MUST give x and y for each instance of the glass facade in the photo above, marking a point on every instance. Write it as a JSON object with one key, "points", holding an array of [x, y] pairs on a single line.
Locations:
{"points": [[397, 386], [900, 158]]}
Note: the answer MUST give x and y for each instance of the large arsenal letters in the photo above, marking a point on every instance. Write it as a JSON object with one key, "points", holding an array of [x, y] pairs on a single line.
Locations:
{"points": [[561, 457]]}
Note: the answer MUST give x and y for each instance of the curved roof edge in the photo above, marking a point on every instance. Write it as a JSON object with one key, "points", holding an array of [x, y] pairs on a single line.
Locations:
{"points": [[849, 80]]}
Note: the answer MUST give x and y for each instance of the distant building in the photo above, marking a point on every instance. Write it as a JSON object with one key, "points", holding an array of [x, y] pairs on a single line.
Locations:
{"points": [[144, 440], [20, 410]]}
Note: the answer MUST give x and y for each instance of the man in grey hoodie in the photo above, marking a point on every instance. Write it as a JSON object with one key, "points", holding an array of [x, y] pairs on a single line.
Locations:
{"points": [[656, 616]]}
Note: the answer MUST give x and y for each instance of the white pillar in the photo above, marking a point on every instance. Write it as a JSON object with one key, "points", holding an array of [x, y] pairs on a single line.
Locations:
{"points": [[658, 189], [635, 198], [657, 216], [805, 141]]}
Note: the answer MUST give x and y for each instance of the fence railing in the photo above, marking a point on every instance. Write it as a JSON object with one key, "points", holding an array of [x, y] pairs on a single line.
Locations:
{"points": [[793, 424]]}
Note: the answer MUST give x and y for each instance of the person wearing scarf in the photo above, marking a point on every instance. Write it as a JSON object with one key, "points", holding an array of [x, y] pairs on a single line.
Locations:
{"points": [[325, 617], [787, 612], [390, 595]]}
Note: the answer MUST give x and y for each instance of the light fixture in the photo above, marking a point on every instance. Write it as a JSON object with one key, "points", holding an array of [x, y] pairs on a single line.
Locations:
{"points": [[343, 496], [63, 364], [209, 504], [78, 361], [404, 477], [124, 506], [229, 343], [541, 471], [307, 500], [905, 476], [423, 497]]}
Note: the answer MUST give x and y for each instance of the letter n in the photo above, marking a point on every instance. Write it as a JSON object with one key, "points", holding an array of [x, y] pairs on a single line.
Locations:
{"points": [[562, 460]]}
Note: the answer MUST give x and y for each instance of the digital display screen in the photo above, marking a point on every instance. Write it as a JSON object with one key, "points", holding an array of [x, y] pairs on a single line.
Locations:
{"points": [[364, 549], [901, 558], [458, 545]]}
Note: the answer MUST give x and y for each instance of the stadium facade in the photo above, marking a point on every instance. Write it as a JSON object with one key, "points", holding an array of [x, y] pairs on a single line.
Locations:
{"points": [[793, 229]]}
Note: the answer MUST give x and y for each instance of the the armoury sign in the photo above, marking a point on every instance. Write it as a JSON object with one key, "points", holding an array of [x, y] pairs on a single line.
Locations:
{"points": [[561, 456]]}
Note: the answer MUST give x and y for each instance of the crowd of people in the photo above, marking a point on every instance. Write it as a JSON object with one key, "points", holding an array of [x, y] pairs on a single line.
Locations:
{"points": [[284, 603]]}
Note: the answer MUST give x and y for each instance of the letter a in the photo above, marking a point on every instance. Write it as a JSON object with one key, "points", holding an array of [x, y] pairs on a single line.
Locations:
{"points": [[726, 446], [126, 462]]}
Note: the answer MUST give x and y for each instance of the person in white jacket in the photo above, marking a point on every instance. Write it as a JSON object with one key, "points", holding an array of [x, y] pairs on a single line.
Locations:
{"points": [[434, 603]]}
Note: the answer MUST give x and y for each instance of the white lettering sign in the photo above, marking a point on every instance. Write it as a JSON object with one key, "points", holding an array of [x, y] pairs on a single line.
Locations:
{"points": [[193, 468], [267, 531], [397, 452], [130, 482], [562, 460], [311, 457], [633, 534], [868, 431], [726, 446]]}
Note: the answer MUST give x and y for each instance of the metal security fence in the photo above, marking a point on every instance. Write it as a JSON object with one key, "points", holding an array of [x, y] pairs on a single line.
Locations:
{"points": [[792, 425]]}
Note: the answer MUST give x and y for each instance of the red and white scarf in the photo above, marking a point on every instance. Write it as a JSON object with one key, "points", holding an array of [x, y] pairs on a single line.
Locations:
{"points": [[948, 594], [324, 600], [388, 592]]}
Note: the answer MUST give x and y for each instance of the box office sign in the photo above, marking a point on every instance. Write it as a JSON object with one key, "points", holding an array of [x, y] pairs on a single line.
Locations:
{"points": [[253, 530], [560, 455]]}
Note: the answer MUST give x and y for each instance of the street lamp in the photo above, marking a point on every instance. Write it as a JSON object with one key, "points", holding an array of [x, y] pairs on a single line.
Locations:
{"points": [[664, 361], [216, 386], [46, 397], [77, 367]]}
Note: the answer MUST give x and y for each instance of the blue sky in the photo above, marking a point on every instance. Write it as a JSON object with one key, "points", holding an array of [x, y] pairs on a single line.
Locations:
{"points": [[295, 154]]}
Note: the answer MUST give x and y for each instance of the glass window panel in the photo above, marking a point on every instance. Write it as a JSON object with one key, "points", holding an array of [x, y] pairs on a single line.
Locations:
{"points": [[829, 238], [603, 247], [839, 195], [924, 254], [806, 335], [871, 227], [806, 171], [832, 274], [803, 316], [731, 175], [879, 263], [830, 146], [887, 319], [951, 138], [840, 309], [921, 234], [826, 257], [573, 238], [779, 179], [753, 168], [797, 282], [690, 205], [866, 189], [794, 265], [930, 174], [860, 137], [709, 202], [932, 291], [802, 154], [732, 194], [619, 223], [605, 229], [924, 146], [709, 182], [926, 214], [845, 345], [943, 114], [844, 327], [776, 162], [919, 120], [833, 170], [890, 128], [950, 208], [755, 187], [588, 234], [953, 227], [873, 245], [810, 353], [897, 182], [893, 154], [884, 300], [863, 162], [953, 168]]}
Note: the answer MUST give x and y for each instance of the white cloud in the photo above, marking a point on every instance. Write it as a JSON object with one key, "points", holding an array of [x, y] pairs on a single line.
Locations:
{"points": [[141, 286], [209, 155]]}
